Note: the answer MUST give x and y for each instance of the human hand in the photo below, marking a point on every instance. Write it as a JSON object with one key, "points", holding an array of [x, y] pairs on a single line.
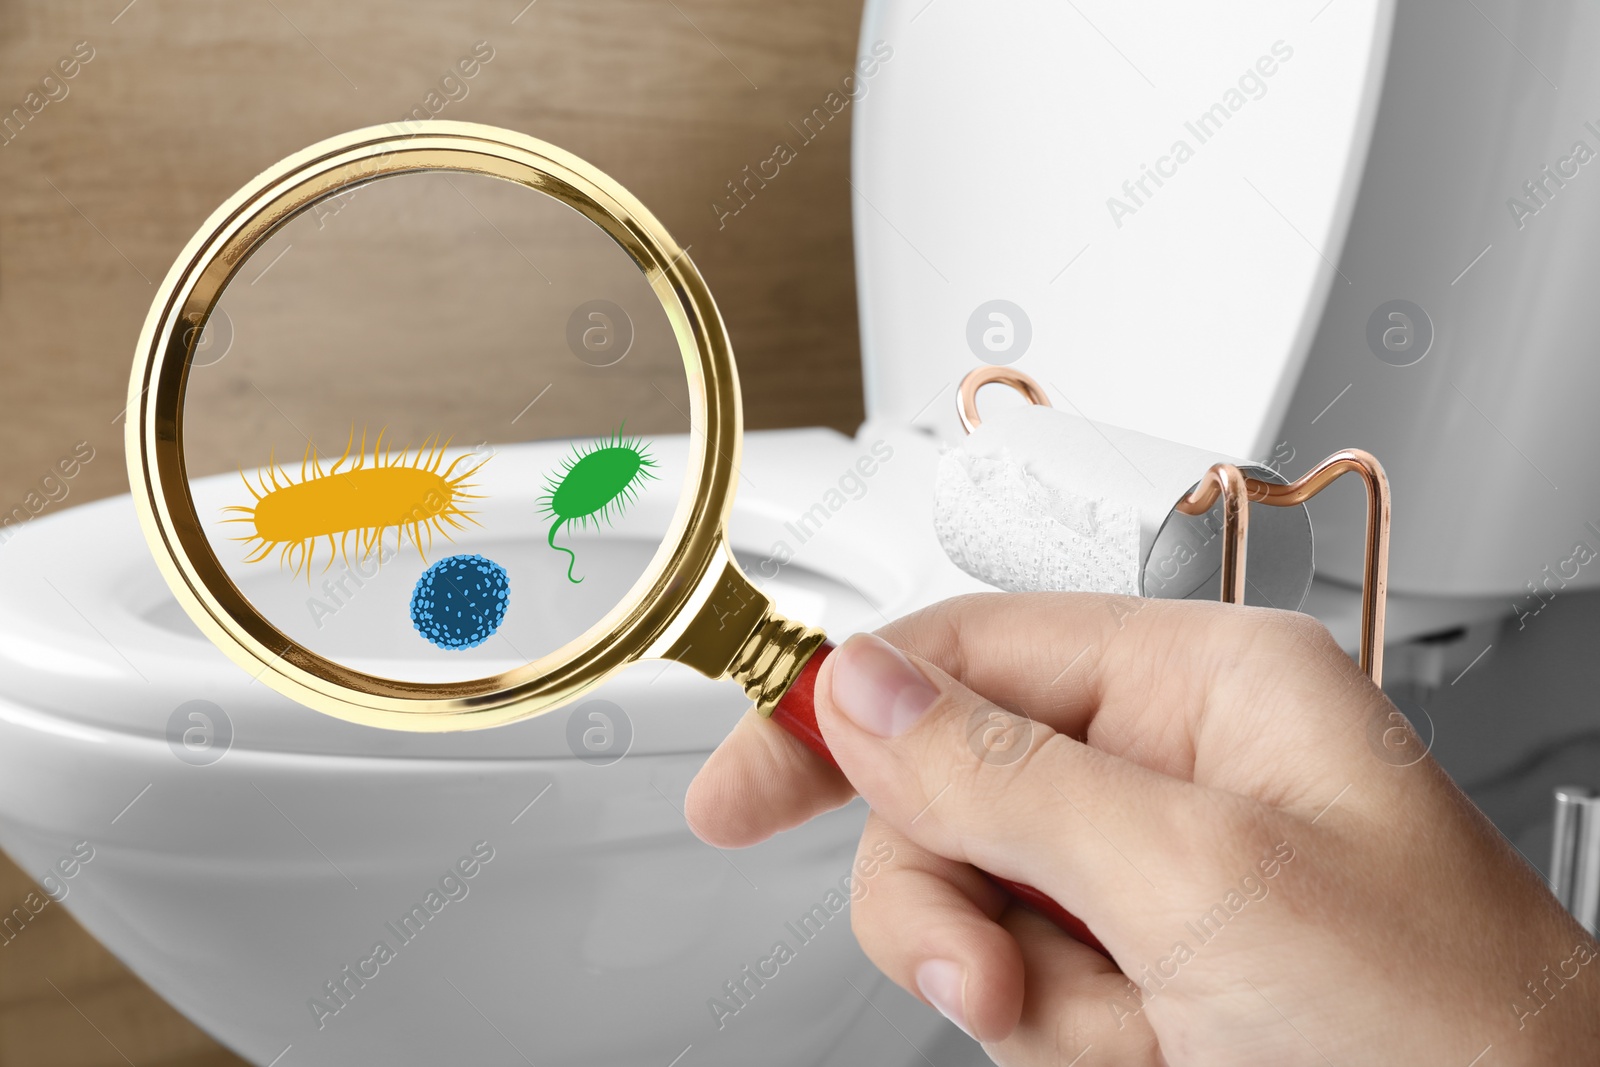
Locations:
{"points": [[1200, 784]]}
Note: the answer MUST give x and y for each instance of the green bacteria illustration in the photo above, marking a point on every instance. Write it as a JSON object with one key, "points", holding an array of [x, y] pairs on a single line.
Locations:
{"points": [[594, 485]]}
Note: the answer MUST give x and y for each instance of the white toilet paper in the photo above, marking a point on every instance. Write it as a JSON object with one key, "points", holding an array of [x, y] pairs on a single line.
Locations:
{"points": [[1000, 524], [1040, 499]]}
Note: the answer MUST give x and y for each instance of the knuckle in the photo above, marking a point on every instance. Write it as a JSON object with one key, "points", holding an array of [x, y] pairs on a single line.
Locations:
{"points": [[1227, 834], [1301, 628], [865, 920], [1108, 1014], [997, 746], [876, 899], [1295, 635], [1079, 1010], [1004, 789], [934, 633]]}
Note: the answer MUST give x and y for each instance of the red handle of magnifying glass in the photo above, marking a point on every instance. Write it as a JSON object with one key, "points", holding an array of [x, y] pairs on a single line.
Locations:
{"points": [[796, 712]]}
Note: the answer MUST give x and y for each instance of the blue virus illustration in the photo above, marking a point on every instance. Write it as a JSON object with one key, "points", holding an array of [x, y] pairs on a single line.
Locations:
{"points": [[460, 602]]}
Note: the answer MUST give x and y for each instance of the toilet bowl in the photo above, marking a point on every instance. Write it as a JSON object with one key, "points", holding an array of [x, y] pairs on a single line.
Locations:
{"points": [[247, 862], [536, 892]]}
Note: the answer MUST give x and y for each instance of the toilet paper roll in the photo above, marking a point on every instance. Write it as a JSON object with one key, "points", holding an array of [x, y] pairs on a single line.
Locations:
{"points": [[1040, 499]]}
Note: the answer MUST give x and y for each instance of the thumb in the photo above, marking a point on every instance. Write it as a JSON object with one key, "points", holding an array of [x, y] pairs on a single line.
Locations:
{"points": [[973, 782]]}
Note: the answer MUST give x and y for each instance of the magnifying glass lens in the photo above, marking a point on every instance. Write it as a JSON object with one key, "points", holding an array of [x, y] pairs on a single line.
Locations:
{"points": [[437, 426]]}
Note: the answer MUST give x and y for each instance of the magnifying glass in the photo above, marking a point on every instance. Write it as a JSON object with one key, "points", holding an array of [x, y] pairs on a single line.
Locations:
{"points": [[386, 399]]}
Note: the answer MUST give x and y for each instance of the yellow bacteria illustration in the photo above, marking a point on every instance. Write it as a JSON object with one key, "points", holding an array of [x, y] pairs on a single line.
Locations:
{"points": [[362, 496]]}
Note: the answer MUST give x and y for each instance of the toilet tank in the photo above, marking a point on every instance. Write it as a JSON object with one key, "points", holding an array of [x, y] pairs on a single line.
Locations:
{"points": [[1463, 340], [1151, 198]]}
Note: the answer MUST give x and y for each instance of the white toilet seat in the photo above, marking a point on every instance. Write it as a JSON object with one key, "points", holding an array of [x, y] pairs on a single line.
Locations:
{"points": [[90, 634], [291, 849]]}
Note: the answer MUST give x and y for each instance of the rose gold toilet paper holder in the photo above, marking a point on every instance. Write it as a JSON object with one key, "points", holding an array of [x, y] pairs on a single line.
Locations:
{"points": [[1236, 491]]}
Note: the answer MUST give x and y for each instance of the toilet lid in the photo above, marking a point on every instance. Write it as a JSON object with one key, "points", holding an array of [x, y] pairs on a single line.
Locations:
{"points": [[1140, 208]]}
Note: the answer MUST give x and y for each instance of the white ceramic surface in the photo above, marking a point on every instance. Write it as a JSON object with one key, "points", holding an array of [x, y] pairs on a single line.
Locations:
{"points": [[988, 149], [600, 930], [1490, 436]]}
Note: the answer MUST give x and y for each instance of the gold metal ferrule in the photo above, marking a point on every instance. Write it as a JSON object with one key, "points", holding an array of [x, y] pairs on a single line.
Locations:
{"points": [[738, 633]]}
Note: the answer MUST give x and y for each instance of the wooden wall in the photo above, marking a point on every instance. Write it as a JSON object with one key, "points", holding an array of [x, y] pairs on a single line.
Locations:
{"points": [[184, 100]]}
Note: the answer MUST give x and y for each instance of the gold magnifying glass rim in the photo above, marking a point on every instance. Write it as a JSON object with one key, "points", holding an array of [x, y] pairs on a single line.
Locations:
{"points": [[644, 623]]}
